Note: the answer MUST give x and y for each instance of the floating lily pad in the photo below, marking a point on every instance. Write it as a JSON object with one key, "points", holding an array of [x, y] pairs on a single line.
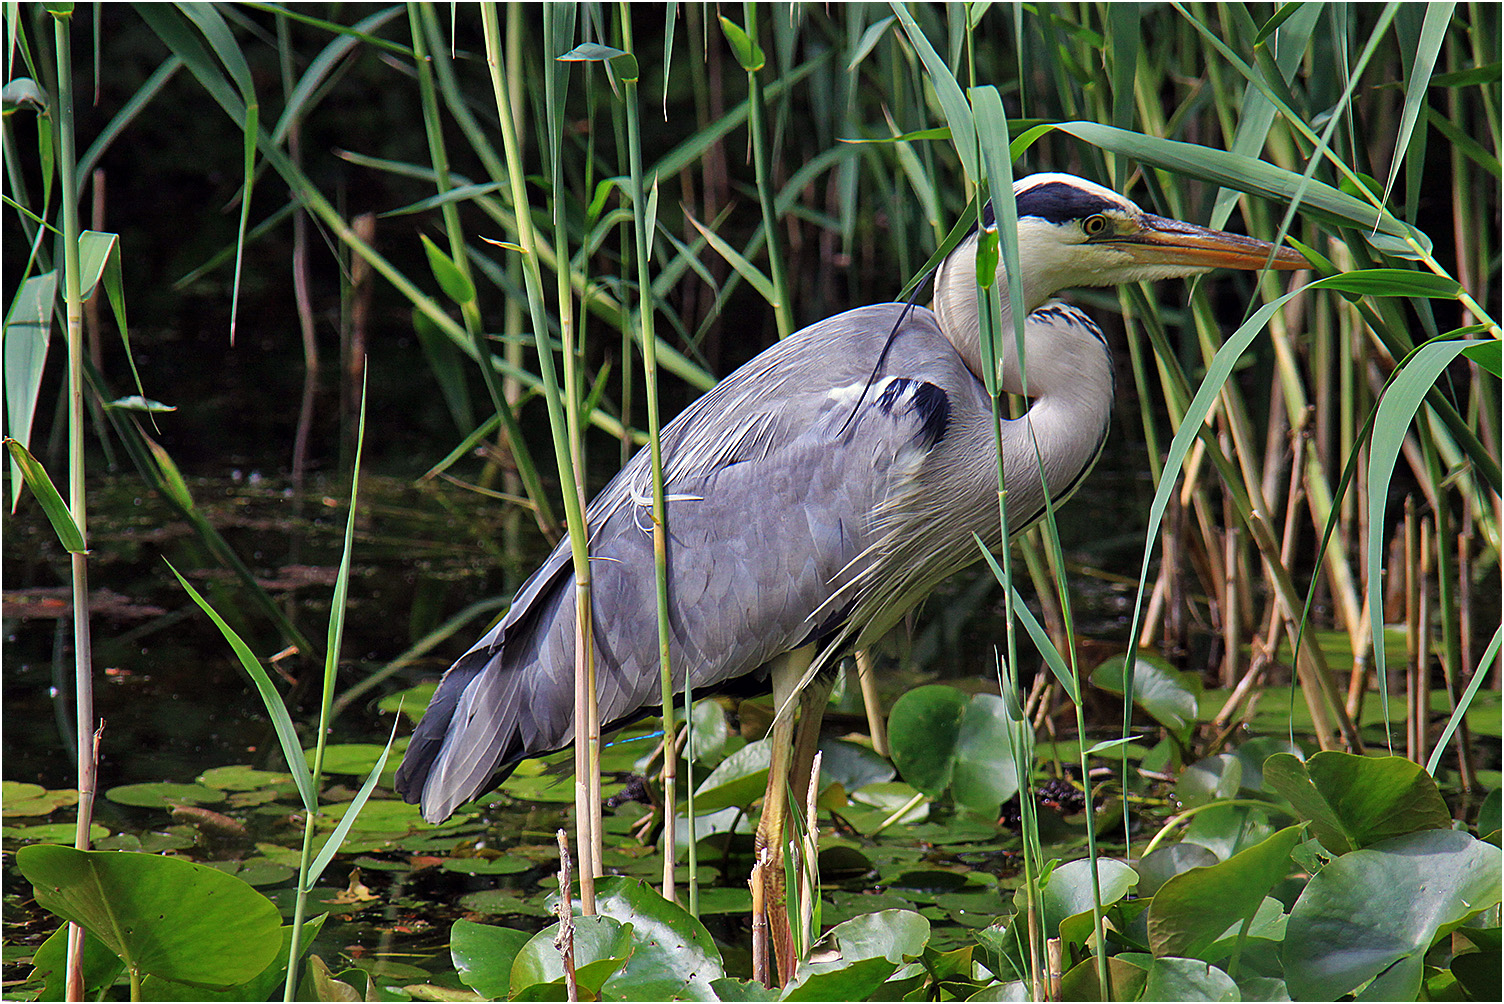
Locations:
{"points": [[355, 758], [1159, 866], [984, 775], [242, 778], [601, 947], [549, 788], [1354, 801], [377, 815], [720, 900], [504, 865], [279, 853], [101, 966], [852, 765], [502, 903], [256, 871], [875, 804], [164, 795], [1191, 910], [840, 862], [21, 800], [1168, 695], [866, 949], [52, 833], [712, 735], [413, 701], [323, 899], [1068, 897]]}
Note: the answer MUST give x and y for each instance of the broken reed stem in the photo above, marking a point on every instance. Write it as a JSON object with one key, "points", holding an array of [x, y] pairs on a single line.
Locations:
{"points": [[1357, 684], [1231, 613], [1053, 954], [1423, 649], [564, 940], [761, 971], [1035, 972], [1463, 735], [1412, 639], [810, 853]]}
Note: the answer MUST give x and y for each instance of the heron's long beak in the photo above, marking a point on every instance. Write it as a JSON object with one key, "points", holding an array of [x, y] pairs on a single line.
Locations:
{"points": [[1162, 241]]}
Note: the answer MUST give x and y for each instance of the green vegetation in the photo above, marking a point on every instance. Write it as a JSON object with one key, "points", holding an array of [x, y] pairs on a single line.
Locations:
{"points": [[1256, 737]]}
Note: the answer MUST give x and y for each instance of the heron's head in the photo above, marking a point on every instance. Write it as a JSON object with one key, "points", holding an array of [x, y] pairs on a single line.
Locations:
{"points": [[1072, 232]]}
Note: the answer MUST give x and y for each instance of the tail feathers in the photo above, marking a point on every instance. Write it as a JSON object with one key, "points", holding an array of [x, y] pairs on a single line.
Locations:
{"points": [[432, 772]]}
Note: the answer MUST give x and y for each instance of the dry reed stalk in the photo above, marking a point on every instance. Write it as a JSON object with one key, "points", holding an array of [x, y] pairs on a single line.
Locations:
{"points": [[1412, 641], [809, 869], [761, 970], [1357, 683], [1231, 611], [564, 940], [1053, 953], [1423, 650], [1463, 737]]}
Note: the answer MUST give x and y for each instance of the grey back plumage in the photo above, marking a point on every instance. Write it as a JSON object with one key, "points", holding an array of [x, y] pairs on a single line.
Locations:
{"points": [[790, 522]]}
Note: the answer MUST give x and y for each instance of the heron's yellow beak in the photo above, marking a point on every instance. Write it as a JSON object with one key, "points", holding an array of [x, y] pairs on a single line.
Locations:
{"points": [[1162, 241]]}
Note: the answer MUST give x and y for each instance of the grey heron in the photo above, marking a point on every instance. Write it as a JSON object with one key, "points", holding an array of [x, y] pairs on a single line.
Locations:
{"points": [[797, 528]]}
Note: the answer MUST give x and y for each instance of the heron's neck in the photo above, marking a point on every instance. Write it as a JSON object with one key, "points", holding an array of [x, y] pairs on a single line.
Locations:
{"points": [[955, 306], [1064, 428]]}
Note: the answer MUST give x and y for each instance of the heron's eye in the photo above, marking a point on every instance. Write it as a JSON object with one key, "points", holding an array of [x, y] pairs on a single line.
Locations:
{"points": [[1094, 225]]}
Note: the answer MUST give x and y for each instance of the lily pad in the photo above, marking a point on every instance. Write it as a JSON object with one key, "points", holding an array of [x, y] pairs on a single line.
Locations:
{"points": [[923, 729], [1176, 979], [1068, 898], [1355, 801], [502, 903], [601, 947], [164, 795], [1169, 696], [673, 955], [1191, 910], [852, 765], [504, 865], [1209, 779], [22, 800], [164, 916], [737, 782], [483, 955], [866, 949], [242, 778], [52, 833], [1372, 914], [101, 966], [984, 775], [1163, 863]]}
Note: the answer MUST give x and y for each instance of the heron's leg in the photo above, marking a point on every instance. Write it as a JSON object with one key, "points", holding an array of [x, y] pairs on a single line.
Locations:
{"points": [[786, 673], [812, 702]]}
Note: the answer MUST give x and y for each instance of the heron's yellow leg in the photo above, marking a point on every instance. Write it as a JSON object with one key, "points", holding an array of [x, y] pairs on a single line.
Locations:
{"points": [[786, 673]]}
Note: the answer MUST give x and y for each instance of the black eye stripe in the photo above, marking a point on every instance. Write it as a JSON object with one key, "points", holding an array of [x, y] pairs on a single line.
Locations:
{"points": [[1059, 202]]}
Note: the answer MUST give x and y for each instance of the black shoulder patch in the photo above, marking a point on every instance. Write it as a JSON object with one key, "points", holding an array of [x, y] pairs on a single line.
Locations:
{"points": [[927, 401], [1059, 202]]}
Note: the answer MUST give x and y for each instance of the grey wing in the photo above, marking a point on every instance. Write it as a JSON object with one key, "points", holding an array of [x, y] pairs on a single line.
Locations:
{"points": [[771, 500]]}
